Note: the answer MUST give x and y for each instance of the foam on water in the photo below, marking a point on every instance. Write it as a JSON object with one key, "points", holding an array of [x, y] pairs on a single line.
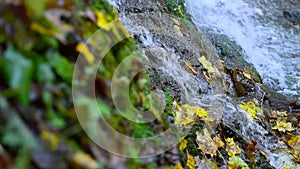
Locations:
{"points": [[271, 45]]}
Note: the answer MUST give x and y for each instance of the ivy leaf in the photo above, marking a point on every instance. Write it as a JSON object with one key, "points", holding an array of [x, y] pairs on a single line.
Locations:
{"points": [[18, 71], [231, 147], [61, 65], [237, 163]]}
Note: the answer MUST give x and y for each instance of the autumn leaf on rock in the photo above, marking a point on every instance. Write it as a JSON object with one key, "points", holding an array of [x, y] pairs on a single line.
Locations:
{"points": [[208, 145], [231, 147], [187, 114], [283, 126], [294, 142], [200, 112], [252, 109]]}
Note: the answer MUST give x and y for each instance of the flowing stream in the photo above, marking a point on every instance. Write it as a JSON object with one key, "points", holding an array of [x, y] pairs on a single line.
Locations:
{"points": [[259, 27], [270, 45]]}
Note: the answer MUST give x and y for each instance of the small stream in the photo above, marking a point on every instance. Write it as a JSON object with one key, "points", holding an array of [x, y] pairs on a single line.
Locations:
{"points": [[271, 46], [259, 27]]}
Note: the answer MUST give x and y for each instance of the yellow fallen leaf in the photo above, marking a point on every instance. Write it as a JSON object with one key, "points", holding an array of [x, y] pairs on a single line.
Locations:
{"points": [[183, 144], [190, 162], [281, 113], [295, 140], [42, 30], [218, 142], [200, 112], [231, 147], [83, 161], [286, 167], [283, 126], [82, 48], [252, 109], [178, 166], [178, 28], [206, 144], [247, 75], [207, 65], [101, 20]]}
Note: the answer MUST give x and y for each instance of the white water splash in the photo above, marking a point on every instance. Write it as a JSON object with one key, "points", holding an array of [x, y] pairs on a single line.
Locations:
{"points": [[272, 46]]}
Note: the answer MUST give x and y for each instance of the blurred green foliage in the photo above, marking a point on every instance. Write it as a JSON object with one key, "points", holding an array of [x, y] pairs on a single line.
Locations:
{"points": [[38, 44]]}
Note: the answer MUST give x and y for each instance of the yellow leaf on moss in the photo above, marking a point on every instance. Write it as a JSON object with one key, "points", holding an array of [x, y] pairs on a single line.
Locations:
{"points": [[190, 162], [82, 48], [231, 147], [283, 126], [286, 167], [183, 144], [178, 166]]}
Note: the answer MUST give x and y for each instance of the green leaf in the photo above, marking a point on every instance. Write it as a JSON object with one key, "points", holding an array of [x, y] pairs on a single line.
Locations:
{"points": [[237, 163], [61, 65], [35, 7], [44, 73], [18, 72]]}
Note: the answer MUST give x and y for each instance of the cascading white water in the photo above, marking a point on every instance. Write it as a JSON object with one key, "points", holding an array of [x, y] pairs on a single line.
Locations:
{"points": [[258, 26]]}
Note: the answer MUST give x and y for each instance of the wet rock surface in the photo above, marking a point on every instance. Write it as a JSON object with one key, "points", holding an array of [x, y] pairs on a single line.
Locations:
{"points": [[169, 40]]}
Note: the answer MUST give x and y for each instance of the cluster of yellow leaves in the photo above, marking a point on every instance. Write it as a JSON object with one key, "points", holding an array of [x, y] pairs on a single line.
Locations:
{"points": [[294, 142], [252, 109], [208, 145], [237, 163], [231, 147], [283, 126], [187, 114]]}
